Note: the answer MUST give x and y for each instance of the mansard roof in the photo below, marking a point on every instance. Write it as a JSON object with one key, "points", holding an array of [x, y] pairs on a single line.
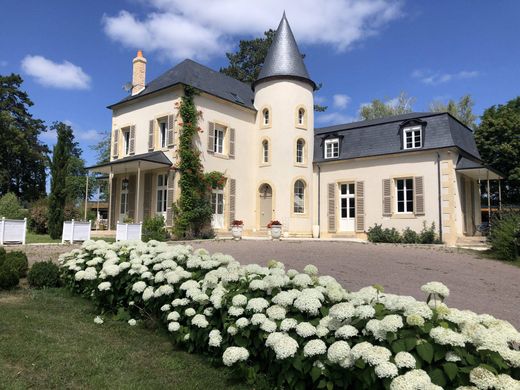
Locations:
{"points": [[284, 59], [191, 73]]}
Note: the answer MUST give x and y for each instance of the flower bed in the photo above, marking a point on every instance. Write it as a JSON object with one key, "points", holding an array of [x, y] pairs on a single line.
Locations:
{"points": [[302, 329]]}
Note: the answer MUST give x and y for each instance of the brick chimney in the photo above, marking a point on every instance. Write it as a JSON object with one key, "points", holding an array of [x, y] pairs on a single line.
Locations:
{"points": [[138, 73]]}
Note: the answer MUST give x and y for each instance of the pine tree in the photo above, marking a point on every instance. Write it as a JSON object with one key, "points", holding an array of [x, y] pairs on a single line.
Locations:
{"points": [[61, 157]]}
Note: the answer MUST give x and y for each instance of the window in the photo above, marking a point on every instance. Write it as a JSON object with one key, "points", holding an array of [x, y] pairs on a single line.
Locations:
{"points": [[265, 116], [162, 134], [217, 201], [218, 146], [162, 190], [332, 148], [299, 197], [126, 141], [412, 137], [300, 151], [301, 116], [265, 151], [348, 198], [124, 197], [404, 189]]}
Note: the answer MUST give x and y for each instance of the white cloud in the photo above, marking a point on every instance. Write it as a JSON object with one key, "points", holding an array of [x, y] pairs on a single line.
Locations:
{"points": [[89, 135], [341, 101], [333, 118], [52, 74], [430, 77], [176, 29]]}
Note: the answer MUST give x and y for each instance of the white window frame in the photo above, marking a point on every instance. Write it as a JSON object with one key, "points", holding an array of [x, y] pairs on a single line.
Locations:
{"points": [[331, 148], [412, 132], [161, 193], [217, 201], [265, 151], [406, 199], [219, 140], [126, 141], [266, 118], [163, 133], [300, 153], [301, 116], [299, 206], [123, 205]]}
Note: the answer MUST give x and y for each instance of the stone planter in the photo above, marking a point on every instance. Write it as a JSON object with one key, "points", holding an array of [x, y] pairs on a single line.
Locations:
{"points": [[315, 231], [276, 232], [236, 232]]}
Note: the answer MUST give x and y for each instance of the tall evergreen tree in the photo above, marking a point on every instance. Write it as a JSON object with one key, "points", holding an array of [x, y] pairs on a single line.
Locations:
{"points": [[23, 158], [60, 165]]}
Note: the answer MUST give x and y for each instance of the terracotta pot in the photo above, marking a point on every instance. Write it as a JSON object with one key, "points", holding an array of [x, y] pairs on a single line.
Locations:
{"points": [[236, 232], [276, 232]]}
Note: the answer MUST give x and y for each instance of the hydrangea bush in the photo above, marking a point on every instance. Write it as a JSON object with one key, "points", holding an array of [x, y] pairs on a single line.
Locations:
{"points": [[302, 329]]}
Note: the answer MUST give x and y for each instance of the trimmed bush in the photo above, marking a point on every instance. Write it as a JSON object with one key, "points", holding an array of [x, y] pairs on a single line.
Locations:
{"points": [[18, 261], [44, 274], [504, 235], [154, 229], [376, 233], [409, 236], [8, 277], [11, 208], [428, 235]]}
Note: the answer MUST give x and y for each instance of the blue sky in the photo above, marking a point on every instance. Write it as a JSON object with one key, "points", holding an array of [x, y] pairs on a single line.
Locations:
{"points": [[75, 55]]}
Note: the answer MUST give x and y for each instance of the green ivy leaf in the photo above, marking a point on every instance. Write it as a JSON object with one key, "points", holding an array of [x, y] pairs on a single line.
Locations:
{"points": [[425, 351], [450, 369]]}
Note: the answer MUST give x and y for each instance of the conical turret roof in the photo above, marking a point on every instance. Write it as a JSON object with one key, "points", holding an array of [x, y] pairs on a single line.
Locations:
{"points": [[284, 59]]}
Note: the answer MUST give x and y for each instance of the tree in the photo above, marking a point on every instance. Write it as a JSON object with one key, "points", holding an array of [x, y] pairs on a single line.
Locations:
{"points": [[462, 110], [498, 141], [246, 63], [381, 109], [23, 158], [102, 149], [10, 207], [60, 165]]}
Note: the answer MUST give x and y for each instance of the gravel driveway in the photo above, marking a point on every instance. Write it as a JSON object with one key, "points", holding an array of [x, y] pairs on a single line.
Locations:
{"points": [[481, 285]]}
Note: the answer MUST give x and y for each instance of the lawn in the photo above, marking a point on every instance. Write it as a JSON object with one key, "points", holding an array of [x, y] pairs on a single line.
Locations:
{"points": [[33, 238], [48, 340]]}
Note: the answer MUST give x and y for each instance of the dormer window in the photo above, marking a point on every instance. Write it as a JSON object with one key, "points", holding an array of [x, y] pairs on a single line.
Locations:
{"points": [[265, 116], [412, 137], [332, 148]]}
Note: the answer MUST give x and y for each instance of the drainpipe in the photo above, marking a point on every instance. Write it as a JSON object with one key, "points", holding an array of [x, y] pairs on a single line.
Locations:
{"points": [[319, 198], [439, 193]]}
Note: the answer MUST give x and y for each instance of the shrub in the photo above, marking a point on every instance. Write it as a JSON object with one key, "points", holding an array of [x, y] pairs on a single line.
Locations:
{"points": [[11, 208], [2, 255], [44, 274], [154, 229], [376, 233], [8, 277], [39, 216], [18, 261], [504, 235], [302, 329], [428, 235], [409, 236]]}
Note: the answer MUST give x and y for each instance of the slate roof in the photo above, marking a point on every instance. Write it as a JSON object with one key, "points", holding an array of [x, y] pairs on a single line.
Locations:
{"points": [[284, 58], [189, 72], [155, 157], [383, 136]]}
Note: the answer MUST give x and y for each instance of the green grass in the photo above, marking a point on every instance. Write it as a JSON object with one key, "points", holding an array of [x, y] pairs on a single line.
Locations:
{"points": [[33, 238], [488, 255], [48, 340]]}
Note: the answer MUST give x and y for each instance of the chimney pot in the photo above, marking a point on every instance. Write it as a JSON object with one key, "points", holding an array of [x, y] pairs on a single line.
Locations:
{"points": [[138, 73]]}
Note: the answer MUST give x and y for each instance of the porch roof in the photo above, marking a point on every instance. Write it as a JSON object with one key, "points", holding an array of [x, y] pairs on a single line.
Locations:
{"points": [[151, 160], [477, 170]]}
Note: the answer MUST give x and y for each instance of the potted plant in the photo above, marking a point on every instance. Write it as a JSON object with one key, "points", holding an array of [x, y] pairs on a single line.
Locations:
{"points": [[275, 228], [237, 227]]}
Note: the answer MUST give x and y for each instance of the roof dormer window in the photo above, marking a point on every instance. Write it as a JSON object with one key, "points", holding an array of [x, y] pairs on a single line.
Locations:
{"points": [[332, 148], [412, 137]]}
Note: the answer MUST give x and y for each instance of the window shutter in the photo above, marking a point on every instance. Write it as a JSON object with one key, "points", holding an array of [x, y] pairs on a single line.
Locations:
{"points": [[360, 206], [131, 198], [113, 196], [231, 143], [232, 200], [171, 130], [419, 195], [332, 207], [387, 198], [115, 143], [211, 138], [147, 202], [169, 198], [151, 135], [132, 140]]}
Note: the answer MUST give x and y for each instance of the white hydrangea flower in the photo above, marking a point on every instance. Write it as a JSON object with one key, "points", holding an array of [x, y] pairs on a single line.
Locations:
{"points": [[310, 270], [200, 321], [110, 269], [505, 382], [139, 286], [208, 312], [342, 311], [258, 318], [415, 320], [180, 302], [482, 378], [302, 280], [235, 311], [287, 324], [275, 312], [257, 305], [283, 345], [285, 298], [233, 355], [242, 322], [79, 275], [104, 286], [452, 357], [215, 339], [436, 288], [446, 336], [190, 312], [414, 379], [232, 330], [239, 300], [386, 370], [257, 284], [132, 322], [364, 312], [314, 347], [338, 351], [174, 326], [173, 316], [305, 329], [322, 331], [346, 332], [309, 301], [90, 273], [404, 360], [268, 326], [98, 320], [165, 307]]}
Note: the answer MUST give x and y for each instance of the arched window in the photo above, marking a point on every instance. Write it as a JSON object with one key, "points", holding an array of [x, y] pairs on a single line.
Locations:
{"points": [[299, 197], [301, 116], [265, 116], [300, 151], [265, 151]]}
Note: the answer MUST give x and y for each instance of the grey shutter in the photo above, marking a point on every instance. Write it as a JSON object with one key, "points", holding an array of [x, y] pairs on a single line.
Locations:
{"points": [[171, 130], [169, 198], [115, 144], [211, 137], [232, 200], [131, 198], [132, 140], [147, 202], [113, 195], [419, 195], [231, 143], [332, 207], [360, 206], [151, 136], [387, 198]]}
